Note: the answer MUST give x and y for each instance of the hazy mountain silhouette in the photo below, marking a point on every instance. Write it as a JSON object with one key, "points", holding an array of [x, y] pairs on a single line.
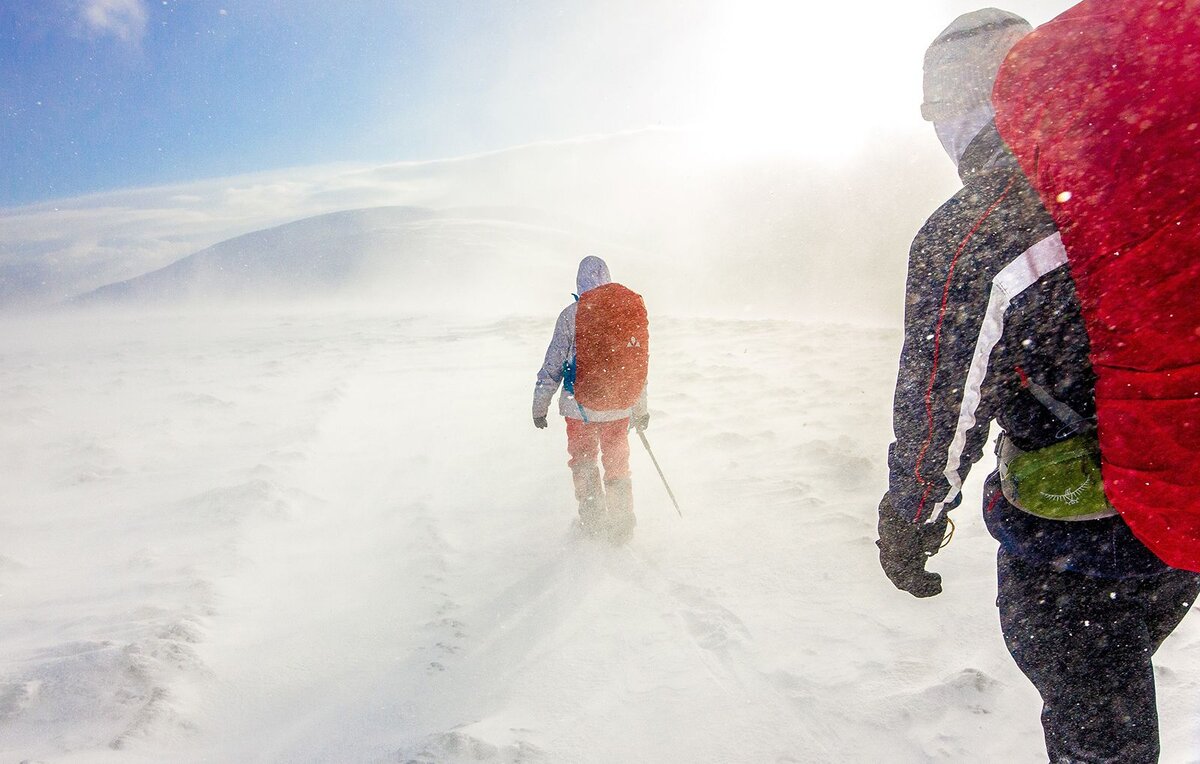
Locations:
{"points": [[413, 253]]}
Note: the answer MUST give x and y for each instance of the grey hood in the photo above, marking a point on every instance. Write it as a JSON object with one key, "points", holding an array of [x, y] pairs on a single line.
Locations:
{"points": [[593, 272], [956, 133]]}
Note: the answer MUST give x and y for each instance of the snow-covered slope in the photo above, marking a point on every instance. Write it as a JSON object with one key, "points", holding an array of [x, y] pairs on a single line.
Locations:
{"points": [[334, 536], [418, 257]]}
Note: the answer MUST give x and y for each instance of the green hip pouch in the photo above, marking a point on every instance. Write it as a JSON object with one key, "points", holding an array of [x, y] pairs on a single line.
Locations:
{"points": [[1058, 482]]}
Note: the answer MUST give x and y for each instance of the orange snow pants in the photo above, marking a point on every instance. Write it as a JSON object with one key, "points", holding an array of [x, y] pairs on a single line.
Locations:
{"points": [[607, 440]]}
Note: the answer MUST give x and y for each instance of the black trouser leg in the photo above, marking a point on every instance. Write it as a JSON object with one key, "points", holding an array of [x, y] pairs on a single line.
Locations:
{"points": [[1086, 644]]}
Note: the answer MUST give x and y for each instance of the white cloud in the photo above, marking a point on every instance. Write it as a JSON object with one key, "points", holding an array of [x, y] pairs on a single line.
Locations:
{"points": [[123, 19]]}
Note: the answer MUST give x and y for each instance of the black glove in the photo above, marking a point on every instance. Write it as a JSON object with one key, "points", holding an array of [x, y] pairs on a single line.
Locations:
{"points": [[539, 422], [641, 421], [905, 546]]}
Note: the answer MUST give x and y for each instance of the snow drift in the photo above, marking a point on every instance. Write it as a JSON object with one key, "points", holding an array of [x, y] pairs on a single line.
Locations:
{"points": [[334, 536]]}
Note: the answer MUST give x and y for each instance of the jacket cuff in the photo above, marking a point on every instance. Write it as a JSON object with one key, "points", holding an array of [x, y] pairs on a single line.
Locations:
{"points": [[642, 407]]}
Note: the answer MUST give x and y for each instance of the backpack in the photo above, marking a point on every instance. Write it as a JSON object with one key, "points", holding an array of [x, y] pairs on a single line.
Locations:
{"points": [[612, 348], [1101, 106]]}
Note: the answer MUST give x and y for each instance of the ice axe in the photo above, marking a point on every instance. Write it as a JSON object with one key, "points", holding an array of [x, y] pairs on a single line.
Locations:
{"points": [[646, 443]]}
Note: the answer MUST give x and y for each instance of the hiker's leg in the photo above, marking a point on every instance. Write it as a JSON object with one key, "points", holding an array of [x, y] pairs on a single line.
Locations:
{"points": [[1085, 646], [1165, 600], [614, 448], [583, 446], [618, 486]]}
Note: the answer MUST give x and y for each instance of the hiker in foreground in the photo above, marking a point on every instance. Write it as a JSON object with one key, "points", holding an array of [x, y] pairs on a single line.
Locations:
{"points": [[994, 332], [600, 356]]}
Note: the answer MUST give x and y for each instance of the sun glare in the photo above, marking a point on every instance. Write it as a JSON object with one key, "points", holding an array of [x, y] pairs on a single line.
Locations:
{"points": [[809, 80]]}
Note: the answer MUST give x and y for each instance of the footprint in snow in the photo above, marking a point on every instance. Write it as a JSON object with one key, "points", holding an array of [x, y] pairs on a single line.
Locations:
{"points": [[459, 747], [969, 689], [712, 625]]}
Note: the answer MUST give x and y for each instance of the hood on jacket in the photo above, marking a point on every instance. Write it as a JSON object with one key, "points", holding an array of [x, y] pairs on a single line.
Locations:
{"points": [[593, 272], [960, 71], [957, 133], [962, 63]]}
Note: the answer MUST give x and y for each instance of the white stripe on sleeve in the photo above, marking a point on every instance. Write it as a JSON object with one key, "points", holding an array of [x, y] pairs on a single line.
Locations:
{"points": [[1023, 272]]}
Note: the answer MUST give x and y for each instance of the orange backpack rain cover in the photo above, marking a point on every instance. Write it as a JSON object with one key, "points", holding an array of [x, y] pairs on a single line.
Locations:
{"points": [[612, 348]]}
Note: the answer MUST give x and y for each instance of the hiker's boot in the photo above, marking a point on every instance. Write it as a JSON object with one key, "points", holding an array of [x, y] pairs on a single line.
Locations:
{"points": [[590, 495], [621, 520]]}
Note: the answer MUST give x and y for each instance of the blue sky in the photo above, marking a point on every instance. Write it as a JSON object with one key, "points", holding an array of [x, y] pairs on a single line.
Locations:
{"points": [[115, 93], [108, 94], [100, 95]]}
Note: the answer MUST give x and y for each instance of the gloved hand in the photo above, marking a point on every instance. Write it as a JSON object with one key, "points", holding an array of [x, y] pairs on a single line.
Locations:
{"points": [[641, 422], [539, 422], [904, 548]]}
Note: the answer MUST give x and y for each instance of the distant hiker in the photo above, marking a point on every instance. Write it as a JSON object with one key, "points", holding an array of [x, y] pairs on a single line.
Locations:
{"points": [[600, 355], [993, 332]]}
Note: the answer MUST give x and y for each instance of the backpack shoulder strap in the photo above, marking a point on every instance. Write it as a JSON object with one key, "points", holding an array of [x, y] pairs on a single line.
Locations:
{"points": [[1074, 421]]}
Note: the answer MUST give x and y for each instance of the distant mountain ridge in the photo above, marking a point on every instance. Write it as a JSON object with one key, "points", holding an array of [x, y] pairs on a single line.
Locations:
{"points": [[383, 252]]}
